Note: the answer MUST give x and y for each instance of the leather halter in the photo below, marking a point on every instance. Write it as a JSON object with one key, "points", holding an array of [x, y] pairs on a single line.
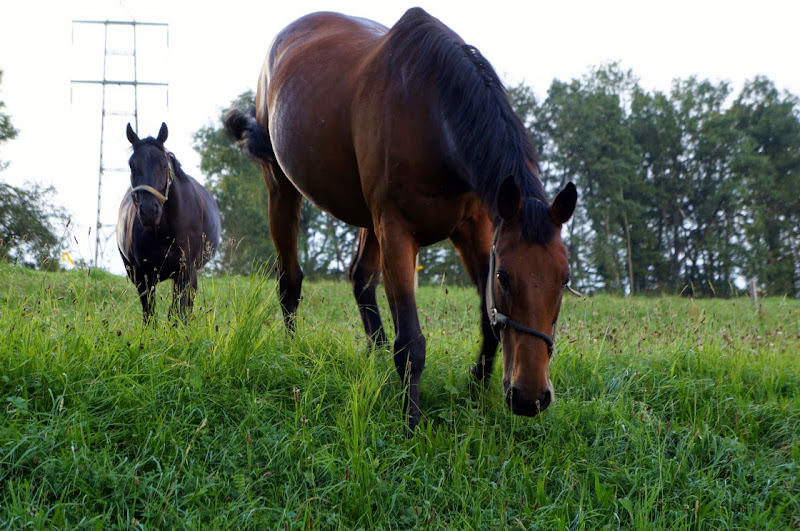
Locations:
{"points": [[146, 188], [498, 319]]}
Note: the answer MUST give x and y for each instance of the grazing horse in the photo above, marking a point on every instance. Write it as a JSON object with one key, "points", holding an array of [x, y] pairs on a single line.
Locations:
{"points": [[168, 225], [408, 133]]}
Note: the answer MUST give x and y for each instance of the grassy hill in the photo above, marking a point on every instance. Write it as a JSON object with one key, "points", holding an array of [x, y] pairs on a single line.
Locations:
{"points": [[670, 413]]}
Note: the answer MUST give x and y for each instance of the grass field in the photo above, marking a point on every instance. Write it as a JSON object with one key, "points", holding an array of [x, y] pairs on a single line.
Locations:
{"points": [[670, 413]]}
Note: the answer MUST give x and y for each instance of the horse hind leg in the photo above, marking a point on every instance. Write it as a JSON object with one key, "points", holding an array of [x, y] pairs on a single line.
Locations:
{"points": [[284, 205], [284, 222], [364, 273]]}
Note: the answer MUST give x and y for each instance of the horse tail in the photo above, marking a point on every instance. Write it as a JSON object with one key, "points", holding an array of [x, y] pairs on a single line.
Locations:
{"points": [[241, 125]]}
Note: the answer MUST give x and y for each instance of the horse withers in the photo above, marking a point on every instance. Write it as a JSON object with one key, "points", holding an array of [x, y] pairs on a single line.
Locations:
{"points": [[168, 225], [408, 133]]}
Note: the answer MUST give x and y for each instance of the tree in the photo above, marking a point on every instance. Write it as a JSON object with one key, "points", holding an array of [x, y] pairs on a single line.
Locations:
{"points": [[7, 131], [590, 143], [686, 143], [28, 219], [27, 215], [710, 143], [237, 184], [769, 167]]}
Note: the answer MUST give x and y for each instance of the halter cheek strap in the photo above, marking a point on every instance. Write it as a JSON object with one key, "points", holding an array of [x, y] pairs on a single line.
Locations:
{"points": [[161, 197], [498, 319]]}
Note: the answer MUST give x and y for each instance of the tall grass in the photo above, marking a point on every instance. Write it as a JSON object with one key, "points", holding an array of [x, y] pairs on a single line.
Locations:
{"points": [[670, 413]]}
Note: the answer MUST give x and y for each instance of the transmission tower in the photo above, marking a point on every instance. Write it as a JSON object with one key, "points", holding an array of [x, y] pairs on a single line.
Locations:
{"points": [[123, 35]]}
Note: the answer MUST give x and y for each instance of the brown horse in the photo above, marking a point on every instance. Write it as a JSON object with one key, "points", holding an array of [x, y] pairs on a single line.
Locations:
{"points": [[408, 133], [168, 225]]}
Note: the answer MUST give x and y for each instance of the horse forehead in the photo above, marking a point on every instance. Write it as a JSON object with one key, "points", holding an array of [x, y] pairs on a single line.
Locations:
{"points": [[147, 155], [527, 255]]}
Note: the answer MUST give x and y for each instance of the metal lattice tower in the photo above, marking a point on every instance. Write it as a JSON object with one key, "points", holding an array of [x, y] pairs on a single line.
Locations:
{"points": [[127, 77]]}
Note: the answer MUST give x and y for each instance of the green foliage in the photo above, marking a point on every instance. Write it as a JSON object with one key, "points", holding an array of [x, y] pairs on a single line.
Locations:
{"points": [[28, 217], [679, 192], [670, 413], [28, 221], [238, 187], [591, 145], [769, 165], [7, 130]]}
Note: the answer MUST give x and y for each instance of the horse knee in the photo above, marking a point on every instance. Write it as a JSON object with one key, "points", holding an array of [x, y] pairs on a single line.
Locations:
{"points": [[410, 355], [362, 285], [290, 280], [356, 281]]}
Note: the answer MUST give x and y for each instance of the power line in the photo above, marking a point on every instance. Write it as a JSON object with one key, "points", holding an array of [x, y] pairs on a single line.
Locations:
{"points": [[122, 81]]}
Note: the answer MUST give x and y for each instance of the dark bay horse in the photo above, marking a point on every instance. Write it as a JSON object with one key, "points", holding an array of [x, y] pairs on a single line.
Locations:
{"points": [[168, 225], [408, 133]]}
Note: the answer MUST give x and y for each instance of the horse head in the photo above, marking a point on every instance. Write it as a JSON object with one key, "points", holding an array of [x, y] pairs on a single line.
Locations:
{"points": [[152, 174], [526, 279]]}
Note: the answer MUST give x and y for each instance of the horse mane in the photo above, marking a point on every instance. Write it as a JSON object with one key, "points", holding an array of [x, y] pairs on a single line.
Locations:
{"points": [[489, 139], [176, 164]]}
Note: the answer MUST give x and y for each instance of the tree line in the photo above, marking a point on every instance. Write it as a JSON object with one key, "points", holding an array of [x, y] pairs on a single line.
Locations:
{"points": [[693, 190]]}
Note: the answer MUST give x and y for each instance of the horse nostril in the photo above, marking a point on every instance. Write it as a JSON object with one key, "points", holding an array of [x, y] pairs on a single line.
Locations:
{"points": [[545, 400]]}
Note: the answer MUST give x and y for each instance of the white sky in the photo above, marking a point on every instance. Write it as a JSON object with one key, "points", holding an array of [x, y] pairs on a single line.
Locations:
{"points": [[215, 49]]}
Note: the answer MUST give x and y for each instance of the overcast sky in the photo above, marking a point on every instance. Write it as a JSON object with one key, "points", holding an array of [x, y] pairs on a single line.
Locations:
{"points": [[213, 52]]}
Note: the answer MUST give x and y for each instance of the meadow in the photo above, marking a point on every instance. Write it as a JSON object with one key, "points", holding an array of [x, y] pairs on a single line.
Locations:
{"points": [[670, 413]]}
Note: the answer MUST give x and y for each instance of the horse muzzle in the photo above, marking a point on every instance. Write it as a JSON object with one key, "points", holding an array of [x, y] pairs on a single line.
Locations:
{"points": [[521, 404], [149, 213]]}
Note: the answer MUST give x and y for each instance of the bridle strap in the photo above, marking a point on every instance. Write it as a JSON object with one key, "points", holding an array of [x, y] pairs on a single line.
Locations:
{"points": [[499, 319], [146, 188]]}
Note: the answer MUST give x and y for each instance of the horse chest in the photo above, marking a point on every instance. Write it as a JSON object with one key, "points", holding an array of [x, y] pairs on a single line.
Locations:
{"points": [[160, 250]]}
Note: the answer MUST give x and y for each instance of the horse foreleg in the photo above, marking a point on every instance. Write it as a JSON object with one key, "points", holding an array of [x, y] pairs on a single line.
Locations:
{"points": [[284, 222], [364, 274], [147, 296], [398, 251], [473, 240], [184, 288]]}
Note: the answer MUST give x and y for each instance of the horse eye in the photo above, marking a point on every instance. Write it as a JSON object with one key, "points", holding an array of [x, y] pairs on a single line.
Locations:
{"points": [[502, 278]]}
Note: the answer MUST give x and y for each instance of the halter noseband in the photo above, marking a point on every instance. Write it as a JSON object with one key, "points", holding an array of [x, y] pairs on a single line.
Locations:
{"points": [[161, 197], [498, 319]]}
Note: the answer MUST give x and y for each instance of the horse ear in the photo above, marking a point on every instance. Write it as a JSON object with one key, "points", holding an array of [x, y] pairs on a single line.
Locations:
{"points": [[162, 133], [564, 204], [132, 138], [508, 199]]}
